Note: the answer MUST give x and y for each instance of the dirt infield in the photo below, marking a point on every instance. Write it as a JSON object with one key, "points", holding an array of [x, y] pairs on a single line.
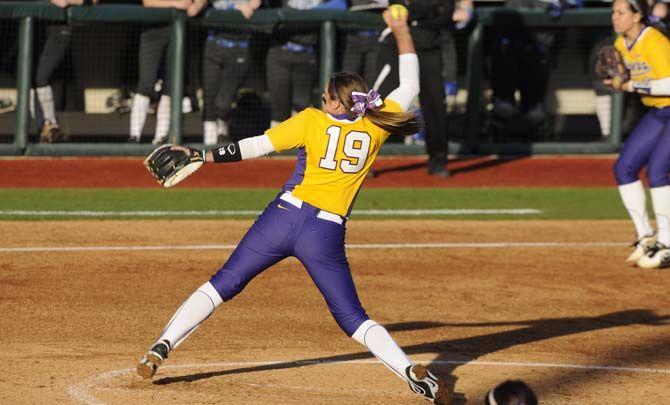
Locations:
{"points": [[569, 318], [273, 172]]}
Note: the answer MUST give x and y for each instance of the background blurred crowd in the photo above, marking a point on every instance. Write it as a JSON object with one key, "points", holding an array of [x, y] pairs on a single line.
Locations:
{"points": [[243, 82]]}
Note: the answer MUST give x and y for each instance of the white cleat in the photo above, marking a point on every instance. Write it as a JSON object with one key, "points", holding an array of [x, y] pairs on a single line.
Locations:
{"points": [[658, 257], [153, 358], [642, 247]]}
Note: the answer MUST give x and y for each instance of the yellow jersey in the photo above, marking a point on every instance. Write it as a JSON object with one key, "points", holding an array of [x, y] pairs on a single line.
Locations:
{"points": [[647, 58], [334, 158]]}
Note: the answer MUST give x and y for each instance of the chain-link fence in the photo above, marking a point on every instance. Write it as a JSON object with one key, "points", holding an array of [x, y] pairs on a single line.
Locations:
{"points": [[105, 78], [8, 50]]}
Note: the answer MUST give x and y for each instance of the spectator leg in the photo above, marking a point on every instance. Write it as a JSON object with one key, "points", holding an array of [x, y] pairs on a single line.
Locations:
{"points": [[431, 97], [153, 42], [162, 120], [58, 41], [603, 106], [449, 63], [535, 76], [235, 68], [504, 79], [45, 98], [303, 71], [212, 79], [352, 58], [371, 57], [138, 115], [279, 83]]}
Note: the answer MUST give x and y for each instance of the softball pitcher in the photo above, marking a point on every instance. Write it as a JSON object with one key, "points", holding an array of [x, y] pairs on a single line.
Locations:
{"points": [[646, 53], [337, 146]]}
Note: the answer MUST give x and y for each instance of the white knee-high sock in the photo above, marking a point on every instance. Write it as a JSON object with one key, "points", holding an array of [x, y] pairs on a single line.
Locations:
{"points": [[211, 136], [163, 118], [660, 199], [603, 106], [635, 200], [45, 97], [198, 307], [222, 127], [31, 104], [378, 341], [138, 114]]}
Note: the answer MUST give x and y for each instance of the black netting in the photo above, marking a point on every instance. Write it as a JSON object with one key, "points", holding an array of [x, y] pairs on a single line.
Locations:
{"points": [[8, 51], [539, 85], [109, 81], [107, 67]]}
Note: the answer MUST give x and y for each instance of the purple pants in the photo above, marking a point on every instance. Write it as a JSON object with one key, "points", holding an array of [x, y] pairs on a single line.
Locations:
{"points": [[284, 230], [648, 144]]}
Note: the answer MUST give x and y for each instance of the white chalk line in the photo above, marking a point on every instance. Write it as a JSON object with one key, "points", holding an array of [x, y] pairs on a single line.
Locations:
{"points": [[477, 245], [209, 213], [81, 391]]}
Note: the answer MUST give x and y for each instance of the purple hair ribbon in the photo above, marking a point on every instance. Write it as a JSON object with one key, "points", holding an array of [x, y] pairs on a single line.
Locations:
{"points": [[365, 101]]}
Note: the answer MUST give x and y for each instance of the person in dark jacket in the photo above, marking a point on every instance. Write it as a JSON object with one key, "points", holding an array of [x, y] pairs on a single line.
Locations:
{"points": [[427, 19], [362, 46], [225, 67], [292, 63]]}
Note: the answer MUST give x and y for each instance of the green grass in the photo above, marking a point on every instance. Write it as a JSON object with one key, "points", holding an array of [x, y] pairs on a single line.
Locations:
{"points": [[555, 203]]}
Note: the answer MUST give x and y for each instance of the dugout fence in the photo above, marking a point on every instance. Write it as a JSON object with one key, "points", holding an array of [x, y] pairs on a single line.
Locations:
{"points": [[574, 128]]}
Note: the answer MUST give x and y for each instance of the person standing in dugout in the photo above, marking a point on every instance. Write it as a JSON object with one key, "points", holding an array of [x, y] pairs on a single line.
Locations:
{"points": [[224, 67], [427, 19], [55, 48], [291, 63], [59, 38], [646, 53], [154, 51], [337, 146], [361, 49]]}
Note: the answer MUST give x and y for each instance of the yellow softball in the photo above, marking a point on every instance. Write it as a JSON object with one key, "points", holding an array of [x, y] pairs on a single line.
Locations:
{"points": [[398, 11]]}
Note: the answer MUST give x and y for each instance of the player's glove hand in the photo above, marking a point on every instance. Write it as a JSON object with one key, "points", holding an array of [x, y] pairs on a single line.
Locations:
{"points": [[610, 67], [171, 164]]}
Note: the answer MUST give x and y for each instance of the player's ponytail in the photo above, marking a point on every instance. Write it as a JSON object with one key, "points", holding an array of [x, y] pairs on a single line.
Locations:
{"points": [[341, 86], [402, 123]]}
